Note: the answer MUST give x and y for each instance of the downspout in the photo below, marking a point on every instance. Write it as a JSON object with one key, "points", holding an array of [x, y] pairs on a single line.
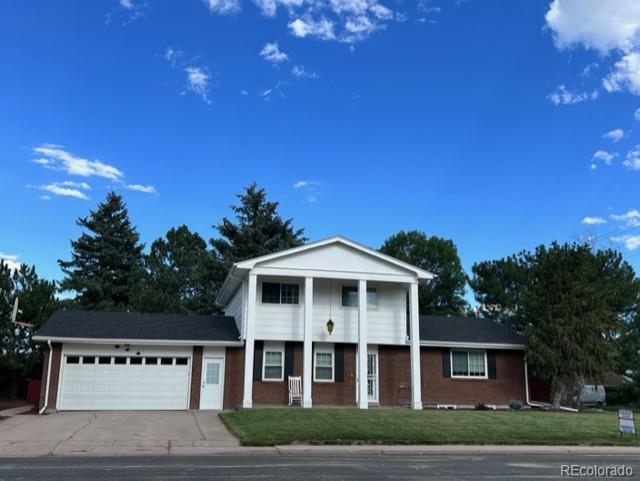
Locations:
{"points": [[46, 389], [534, 404]]}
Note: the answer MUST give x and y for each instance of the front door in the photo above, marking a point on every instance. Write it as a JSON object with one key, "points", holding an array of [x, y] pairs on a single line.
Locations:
{"points": [[212, 382], [372, 376]]}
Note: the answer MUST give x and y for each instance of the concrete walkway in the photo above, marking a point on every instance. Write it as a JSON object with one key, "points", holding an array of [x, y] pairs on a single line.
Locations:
{"points": [[114, 433]]}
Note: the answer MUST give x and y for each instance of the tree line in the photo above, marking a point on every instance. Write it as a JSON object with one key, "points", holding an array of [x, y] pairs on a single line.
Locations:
{"points": [[577, 306]]}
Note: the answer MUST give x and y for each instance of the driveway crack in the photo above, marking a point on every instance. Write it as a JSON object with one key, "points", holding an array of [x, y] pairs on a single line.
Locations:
{"points": [[198, 425], [88, 423]]}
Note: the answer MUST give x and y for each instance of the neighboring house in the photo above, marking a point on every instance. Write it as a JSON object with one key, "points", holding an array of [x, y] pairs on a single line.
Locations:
{"points": [[333, 312]]}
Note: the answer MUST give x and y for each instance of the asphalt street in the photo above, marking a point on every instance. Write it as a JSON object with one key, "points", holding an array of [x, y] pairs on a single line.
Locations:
{"points": [[304, 467]]}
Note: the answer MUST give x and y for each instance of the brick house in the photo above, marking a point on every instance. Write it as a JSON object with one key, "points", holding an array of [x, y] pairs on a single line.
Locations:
{"points": [[333, 312]]}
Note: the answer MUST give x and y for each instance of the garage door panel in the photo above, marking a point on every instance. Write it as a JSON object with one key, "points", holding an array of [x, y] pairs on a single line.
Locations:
{"points": [[96, 385]]}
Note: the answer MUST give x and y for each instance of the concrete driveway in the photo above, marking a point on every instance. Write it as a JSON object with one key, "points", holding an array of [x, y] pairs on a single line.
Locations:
{"points": [[114, 433]]}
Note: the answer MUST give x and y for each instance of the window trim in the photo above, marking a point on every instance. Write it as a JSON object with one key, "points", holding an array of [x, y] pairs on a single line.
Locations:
{"points": [[467, 376], [324, 349], [279, 303], [275, 347], [350, 286]]}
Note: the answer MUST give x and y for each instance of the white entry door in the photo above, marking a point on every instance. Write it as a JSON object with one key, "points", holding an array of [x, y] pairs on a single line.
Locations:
{"points": [[212, 383], [372, 376]]}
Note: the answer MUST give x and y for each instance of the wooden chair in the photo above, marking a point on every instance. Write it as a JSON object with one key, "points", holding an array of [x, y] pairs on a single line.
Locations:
{"points": [[295, 390]]}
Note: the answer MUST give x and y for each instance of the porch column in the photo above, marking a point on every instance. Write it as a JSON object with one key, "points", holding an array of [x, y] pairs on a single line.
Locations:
{"points": [[363, 398], [247, 400], [307, 360], [414, 334]]}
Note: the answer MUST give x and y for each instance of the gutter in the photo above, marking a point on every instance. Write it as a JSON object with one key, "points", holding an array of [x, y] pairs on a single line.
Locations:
{"points": [[535, 404], [136, 342], [46, 390]]}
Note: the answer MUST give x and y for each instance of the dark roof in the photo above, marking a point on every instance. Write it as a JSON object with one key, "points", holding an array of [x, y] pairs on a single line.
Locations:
{"points": [[466, 329], [129, 325]]}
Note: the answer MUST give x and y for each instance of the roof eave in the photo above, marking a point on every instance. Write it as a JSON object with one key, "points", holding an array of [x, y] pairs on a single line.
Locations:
{"points": [[142, 342]]}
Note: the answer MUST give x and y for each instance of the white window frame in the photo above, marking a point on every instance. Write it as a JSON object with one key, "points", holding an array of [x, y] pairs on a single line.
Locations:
{"points": [[467, 351], [369, 306], [272, 347], [324, 349]]}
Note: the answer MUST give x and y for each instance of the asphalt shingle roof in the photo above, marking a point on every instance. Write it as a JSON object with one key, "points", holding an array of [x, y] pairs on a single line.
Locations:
{"points": [[129, 325], [466, 329]]}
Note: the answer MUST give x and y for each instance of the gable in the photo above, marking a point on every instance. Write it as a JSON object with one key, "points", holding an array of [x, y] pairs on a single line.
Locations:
{"points": [[336, 257]]}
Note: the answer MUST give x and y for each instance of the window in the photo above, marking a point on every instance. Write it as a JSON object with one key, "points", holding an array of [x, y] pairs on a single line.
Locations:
{"points": [[73, 359], [182, 361], [166, 361], [135, 360], [323, 365], [104, 360], [468, 364], [119, 360], [151, 361], [88, 360], [350, 296], [273, 363], [276, 293]]}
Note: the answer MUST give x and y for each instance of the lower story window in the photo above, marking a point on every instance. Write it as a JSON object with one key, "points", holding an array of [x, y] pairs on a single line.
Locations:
{"points": [[273, 364], [468, 364], [323, 365]]}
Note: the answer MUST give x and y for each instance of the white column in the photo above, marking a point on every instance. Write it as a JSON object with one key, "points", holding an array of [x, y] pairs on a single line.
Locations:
{"points": [[363, 398], [247, 400], [307, 359], [414, 334]]}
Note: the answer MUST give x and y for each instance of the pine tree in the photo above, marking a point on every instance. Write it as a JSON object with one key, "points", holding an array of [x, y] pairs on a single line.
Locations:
{"points": [[106, 263], [257, 230], [179, 275]]}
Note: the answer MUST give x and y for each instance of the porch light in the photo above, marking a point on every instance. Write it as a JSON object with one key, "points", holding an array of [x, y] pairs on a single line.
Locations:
{"points": [[330, 326]]}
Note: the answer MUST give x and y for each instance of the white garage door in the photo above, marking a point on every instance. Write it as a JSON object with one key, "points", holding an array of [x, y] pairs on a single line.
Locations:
{"points": [[94, 379]]}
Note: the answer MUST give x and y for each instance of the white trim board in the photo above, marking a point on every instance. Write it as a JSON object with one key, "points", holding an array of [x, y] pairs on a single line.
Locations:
{"points": [[473, 345], [137, 342]]}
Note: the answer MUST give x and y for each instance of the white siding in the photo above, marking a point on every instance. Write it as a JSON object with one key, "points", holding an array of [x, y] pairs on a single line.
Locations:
{"points": [[386, 322], [235, 308]]}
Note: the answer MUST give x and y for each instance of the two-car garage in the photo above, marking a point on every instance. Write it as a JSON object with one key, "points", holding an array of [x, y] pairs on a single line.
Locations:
{"points": [[124, 377]]}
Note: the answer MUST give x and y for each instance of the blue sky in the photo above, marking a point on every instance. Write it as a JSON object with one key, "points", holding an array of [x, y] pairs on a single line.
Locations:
{"points": [[501, 125]]}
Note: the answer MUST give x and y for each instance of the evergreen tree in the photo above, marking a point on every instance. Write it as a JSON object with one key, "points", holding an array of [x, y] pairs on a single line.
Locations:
{"points": [[569, 301], [18, 355], [106, 263], [445, 293], [256, 230], [179, 275]]}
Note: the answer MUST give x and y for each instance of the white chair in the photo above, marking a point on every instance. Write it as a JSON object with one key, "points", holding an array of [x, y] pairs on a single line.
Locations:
{"points": [[295, 390]]}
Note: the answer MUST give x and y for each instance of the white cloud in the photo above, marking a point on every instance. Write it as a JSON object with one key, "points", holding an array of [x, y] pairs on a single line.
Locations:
{"points": [[223, 7], [75, 185], [244, 92], [636, 115], [308, 27], [300, 72], [146, 189], [602, 25], [563, 96], [632, 161], [61, 190], [304, 183], [626, 74], [11, 260], [270, 7], [310, 188], [604, 156], [128, 4], [271, 53], [615, 135], [45, 197], [60, 159], [631, 216], [593, 220], [198, 82], [631, 242]]}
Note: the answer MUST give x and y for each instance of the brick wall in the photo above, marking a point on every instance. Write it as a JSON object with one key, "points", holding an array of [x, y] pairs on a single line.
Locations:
{"points": [[196, 377], [508, 385], [338, 393], [233, 377], [394, 366], [55, 375]]}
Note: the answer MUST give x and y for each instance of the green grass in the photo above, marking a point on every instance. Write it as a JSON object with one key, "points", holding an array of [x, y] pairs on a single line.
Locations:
{"points": [[267, 427]]}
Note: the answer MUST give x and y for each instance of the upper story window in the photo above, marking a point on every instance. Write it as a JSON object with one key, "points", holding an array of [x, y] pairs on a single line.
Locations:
{"points": [[350, 296], [468, 364], [278, 293]]}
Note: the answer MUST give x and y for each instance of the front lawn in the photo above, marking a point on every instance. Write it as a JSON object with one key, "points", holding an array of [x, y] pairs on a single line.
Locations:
{"points": [[267, 427]]}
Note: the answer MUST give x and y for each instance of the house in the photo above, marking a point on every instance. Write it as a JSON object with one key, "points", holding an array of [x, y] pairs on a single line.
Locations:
{"points": [[342, 316]]}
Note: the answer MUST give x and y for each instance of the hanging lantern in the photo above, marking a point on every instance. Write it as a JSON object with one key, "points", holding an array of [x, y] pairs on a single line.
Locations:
{"points": [[330, 326]]}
